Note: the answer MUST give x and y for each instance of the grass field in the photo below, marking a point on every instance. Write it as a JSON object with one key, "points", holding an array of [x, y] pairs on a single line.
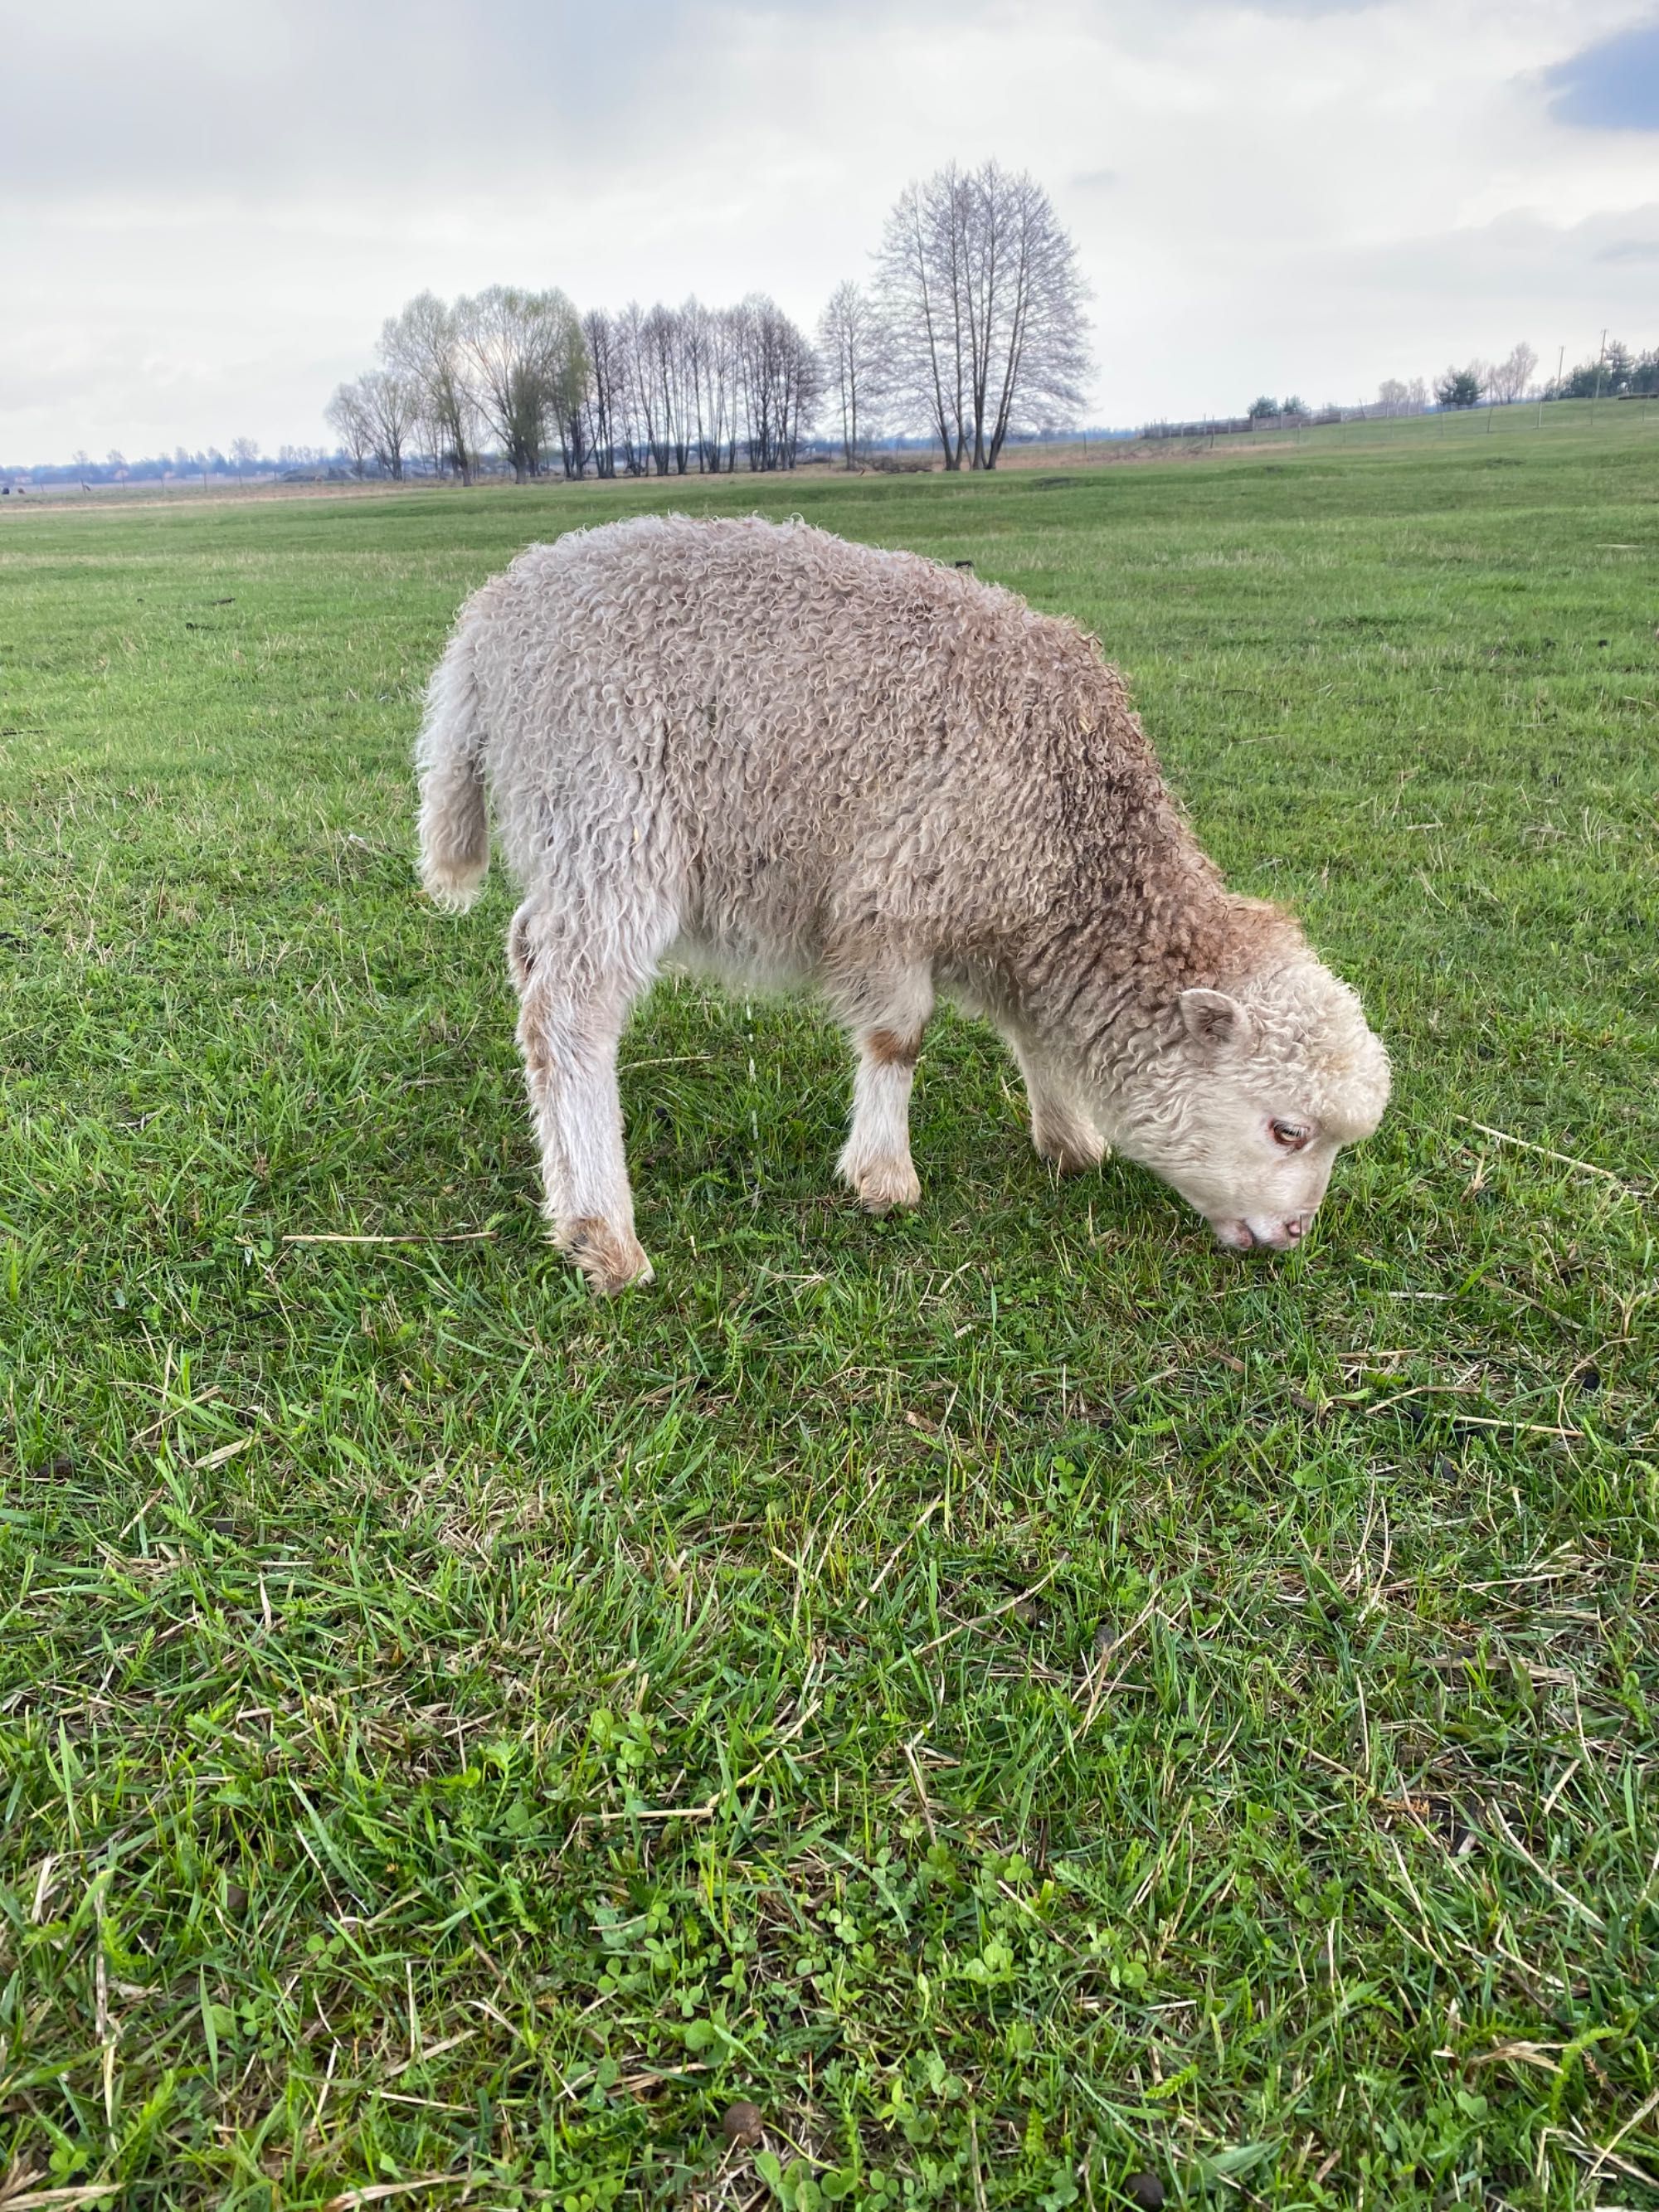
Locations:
{"points": [[1023, 1696]]}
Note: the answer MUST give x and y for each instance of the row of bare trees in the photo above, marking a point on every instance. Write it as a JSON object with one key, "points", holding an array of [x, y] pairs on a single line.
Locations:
{"points": [[1500, 382], [663, 390], [674, 390], [974, 321]]}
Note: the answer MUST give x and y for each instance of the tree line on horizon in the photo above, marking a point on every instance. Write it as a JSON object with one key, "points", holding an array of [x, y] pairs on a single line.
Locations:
{"points": [[1615, 373], [687, 412], [974, 321], [1500, 383]]}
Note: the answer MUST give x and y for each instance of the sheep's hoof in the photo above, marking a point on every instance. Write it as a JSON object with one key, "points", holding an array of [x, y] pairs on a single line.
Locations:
{"points": [[885, 1185], [610, 1259], [1069, 1148]]}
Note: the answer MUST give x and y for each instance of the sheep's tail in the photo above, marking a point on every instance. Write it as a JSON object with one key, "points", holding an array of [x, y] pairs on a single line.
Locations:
{"points": [[453, 826]]}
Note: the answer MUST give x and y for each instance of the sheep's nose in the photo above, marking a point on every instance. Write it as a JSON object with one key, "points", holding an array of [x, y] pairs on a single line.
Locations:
{"points": [[1280, 1235]]}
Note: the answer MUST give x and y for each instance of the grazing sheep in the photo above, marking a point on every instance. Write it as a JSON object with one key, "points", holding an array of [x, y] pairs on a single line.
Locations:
{"points": [[764, 751]]}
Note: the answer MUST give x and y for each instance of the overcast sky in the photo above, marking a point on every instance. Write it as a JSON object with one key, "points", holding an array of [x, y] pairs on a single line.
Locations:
{"points": [[209, 210]]}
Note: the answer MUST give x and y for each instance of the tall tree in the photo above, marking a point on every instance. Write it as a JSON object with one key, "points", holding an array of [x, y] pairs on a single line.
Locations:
{"points": [[1507, 379], [389, 404], [719, 388], [696, 339], [516, 346], [602, 408], [637, 414], [348, 417], [984, 307], [660, 382], [779, 383], [423, 343], [572, 381], [851, 345], [1394, 396]]}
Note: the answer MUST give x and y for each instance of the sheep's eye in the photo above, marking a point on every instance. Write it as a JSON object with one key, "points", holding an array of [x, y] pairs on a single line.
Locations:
{"points": [[1290, 1134]]}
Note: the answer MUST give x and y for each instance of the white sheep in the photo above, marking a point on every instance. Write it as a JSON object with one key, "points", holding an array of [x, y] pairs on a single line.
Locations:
{"points": [[760, 750]]}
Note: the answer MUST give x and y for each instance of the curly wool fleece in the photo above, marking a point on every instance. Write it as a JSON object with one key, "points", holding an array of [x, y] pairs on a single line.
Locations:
{"points": [[760, 749]]}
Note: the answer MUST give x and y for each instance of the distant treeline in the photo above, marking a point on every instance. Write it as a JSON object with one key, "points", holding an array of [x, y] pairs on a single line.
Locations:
{"points": [[973, 324], [243, 462], [523, 376], [948, 348], [1616, 372]]}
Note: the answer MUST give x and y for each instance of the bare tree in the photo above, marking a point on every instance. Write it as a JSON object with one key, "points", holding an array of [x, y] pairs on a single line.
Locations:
{"points": [[778, 382], [850, 340], [243, 452], [921, 279], [390, 404], [695, 335], [640, 410], [348, 416], [718, 409], [685, 361], [606, 404], [1507, 379], [751, 392], [635, 421], [658, 371], [1395, 396], [983, 305], [802, 390], [572, 381], [517, 346], [422, 344]]}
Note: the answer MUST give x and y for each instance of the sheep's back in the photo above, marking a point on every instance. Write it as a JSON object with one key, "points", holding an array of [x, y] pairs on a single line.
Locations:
{"points": [[797, 728]]}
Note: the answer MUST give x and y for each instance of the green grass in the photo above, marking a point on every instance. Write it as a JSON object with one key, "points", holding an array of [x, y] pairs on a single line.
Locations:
{"points": [[1022, 1695]]}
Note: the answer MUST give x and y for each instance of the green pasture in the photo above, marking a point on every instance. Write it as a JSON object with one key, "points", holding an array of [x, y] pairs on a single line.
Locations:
{"points": [[1021, 1696]]}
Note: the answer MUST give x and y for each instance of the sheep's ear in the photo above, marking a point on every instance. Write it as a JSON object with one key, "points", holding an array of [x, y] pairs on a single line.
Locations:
{"points": [[1214, 1022]]}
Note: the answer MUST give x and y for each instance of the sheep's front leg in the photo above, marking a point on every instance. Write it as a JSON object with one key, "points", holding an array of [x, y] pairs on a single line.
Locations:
{"points": [[876, 1158], [1061, 1129], [568, 1030]]}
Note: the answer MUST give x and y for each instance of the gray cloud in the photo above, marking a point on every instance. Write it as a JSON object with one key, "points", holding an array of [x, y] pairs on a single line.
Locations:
{"points": [[245, 99], [210, 209], [271, 92]]}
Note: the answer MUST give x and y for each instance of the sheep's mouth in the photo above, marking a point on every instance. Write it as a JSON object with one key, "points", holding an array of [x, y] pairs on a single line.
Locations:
{"points": [[1238, 1237]]}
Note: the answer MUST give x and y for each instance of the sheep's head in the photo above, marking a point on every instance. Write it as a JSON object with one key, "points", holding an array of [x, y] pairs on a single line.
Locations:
{"points": [[1245, 1112]]}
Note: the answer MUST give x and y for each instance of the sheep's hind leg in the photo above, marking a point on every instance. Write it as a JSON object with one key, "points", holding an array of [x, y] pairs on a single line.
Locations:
{"points": [[886, 1023], [1062, 1130], [571, 1016]]}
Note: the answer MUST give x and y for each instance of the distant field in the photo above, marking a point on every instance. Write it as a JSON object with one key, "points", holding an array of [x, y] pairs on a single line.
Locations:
{"points": [[1568, 423], [1022, 1695]]}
